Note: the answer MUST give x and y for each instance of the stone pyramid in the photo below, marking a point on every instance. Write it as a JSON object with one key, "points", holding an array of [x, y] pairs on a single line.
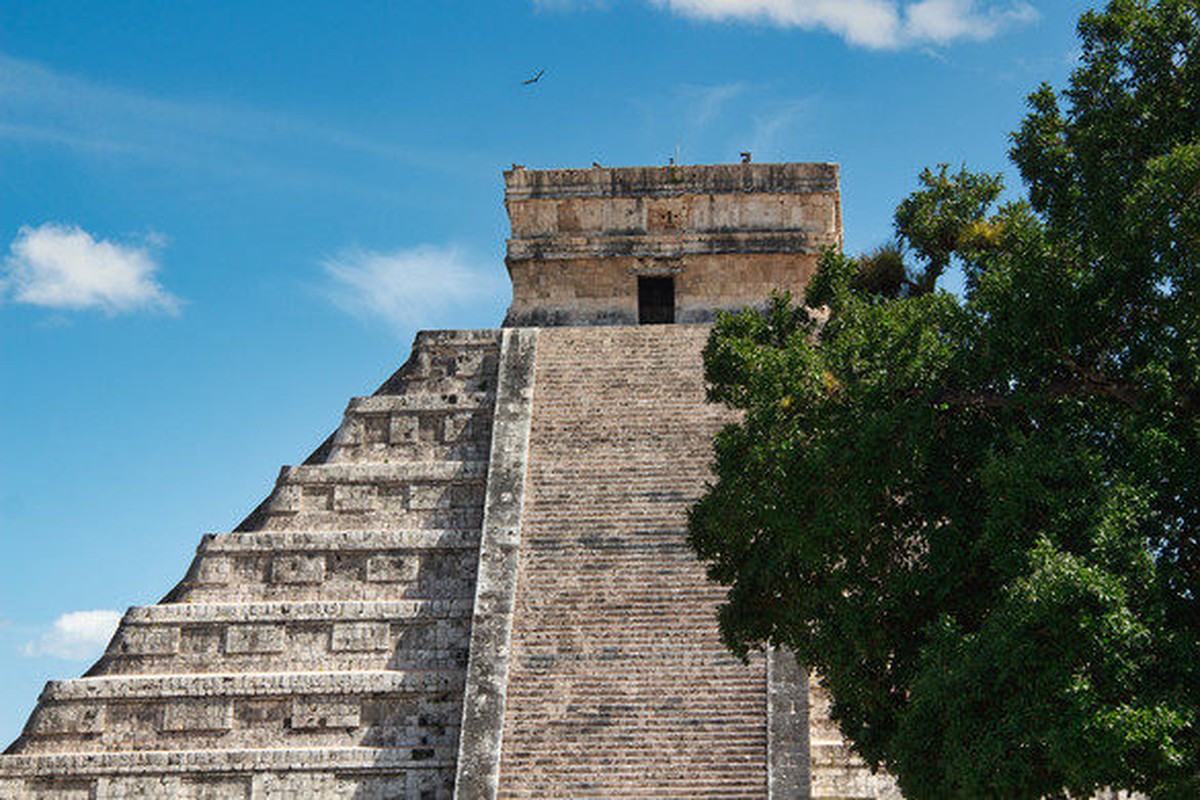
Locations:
{"points": [[479, 585]]}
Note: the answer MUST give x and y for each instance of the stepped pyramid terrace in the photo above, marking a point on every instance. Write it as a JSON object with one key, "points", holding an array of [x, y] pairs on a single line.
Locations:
{"points": [[479, 586]]}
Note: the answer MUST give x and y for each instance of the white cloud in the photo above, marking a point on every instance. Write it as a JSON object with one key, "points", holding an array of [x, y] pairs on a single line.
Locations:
{"points": [[408, 287], [77, 635], [943, 21], [65, 267], [875, 24]]}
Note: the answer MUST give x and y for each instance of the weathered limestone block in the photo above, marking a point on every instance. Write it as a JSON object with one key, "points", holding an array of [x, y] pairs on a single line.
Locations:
{"points": [[298, 569], [376, 429], [309, 713], [78, 718], [144, 788], [376, 786], [837, 772], [356, 497], [215, 788], [316, 498], [404, 429], [428, 496], [214, 571], [255, 639], [474, 363], [391, 568], [286, 499], [198, 715], [392, 496], [360, 637], [58, 790], [456, 426], [144, 641], [350, 432]]}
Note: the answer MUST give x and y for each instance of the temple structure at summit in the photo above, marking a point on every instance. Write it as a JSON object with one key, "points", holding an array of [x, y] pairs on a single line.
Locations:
{"points": [[479, 586]]}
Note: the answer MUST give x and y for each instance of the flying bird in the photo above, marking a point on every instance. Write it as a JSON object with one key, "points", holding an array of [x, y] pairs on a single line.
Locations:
{"points": [[537, 77]]}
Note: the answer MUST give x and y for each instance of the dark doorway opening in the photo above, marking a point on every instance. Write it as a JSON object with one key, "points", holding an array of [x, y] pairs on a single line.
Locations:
{"points": [[656, 301]]}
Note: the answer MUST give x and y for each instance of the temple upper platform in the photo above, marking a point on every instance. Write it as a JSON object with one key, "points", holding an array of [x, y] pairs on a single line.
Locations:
{"points": [[628, 245]]}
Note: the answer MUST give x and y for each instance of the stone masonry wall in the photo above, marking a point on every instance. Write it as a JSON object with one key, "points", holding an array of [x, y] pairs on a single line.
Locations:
{"points": [[318, 651], [728, 234], [321, 649]]}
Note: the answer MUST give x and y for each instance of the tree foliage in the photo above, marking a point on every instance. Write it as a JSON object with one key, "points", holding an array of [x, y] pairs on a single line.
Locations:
{"points": [[978, 518]]}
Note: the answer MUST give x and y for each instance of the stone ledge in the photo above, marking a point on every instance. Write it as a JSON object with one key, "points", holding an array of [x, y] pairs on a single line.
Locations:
{"points": [[330, 611], [444, 401], [788, 178], [397, 472], [341, 541], [466, 337], [251, 684], [768, 242], [314, 759]]}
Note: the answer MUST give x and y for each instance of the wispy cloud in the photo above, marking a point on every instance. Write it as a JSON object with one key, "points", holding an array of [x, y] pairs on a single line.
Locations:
{"points": [[716, 122], [705, 103], [873, 24], [408, 287], [64, 267], [41, 106], [563, 5], [75, 636], [776, 123]]}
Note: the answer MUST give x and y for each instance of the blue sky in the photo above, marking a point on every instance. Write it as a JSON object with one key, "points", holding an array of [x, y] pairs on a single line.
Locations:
{"points": [[219, 221]]}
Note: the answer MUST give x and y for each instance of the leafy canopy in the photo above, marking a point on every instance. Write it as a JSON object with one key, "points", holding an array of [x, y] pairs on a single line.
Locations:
{"points": [[978, 518]]}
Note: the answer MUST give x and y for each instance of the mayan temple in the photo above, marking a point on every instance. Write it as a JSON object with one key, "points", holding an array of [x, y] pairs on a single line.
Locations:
{"points": [[479, 586]]}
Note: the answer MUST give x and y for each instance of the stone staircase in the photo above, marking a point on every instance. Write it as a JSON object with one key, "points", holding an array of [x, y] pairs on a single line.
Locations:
{"points": [[323, 648], [618, 684], [320, 649], [837, 772]]}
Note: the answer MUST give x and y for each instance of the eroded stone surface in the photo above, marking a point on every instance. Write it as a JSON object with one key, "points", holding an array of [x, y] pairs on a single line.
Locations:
{"points": [[322, 649], [727, 235]]}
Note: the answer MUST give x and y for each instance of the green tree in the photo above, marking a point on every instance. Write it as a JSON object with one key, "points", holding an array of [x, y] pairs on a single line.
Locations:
{"points": [[978, 518]]}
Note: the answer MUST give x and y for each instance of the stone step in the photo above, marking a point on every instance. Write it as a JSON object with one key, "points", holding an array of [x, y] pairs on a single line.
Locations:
{"points": [[618, 685], [330, 565], [448, 361], [232, 774], [232, 711], [422, 402], [368, 496], [251, 637], [285, 612], [419, 427], [458, 337], [297, 759], [834, 752], [839, 774], [341, 542], [392, 473], [257, 684]]}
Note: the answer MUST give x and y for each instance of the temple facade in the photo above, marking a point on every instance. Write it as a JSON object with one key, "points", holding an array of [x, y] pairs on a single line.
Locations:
{"points": [[479, 585]]}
